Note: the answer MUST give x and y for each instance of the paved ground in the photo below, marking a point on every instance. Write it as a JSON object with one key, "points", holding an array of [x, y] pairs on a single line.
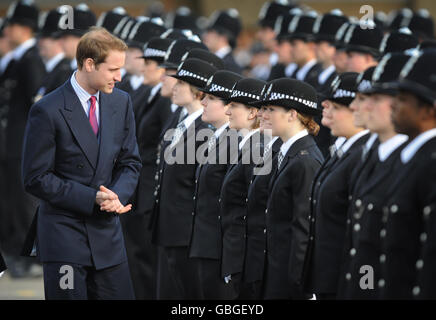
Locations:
{"points": [[21, 289]]}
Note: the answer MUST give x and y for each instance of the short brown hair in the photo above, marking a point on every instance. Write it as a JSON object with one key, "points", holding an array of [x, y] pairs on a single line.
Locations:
{"points": [[96, 44]]}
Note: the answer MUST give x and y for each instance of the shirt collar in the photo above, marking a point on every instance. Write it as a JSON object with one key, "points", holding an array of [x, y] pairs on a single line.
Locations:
{"points": [[273, 59], [274, 139], [174, 107], [22, 48], [136, 81], [339, 142], [290, 69], [323, 76], [220, 130], [386, 148], [82, 94], [286, 145], [192, 117], [412, 148], [245, 139], [4, 61], [155, 89], [53, 62], [347, 144], [73, 64], [123, 72], [301, 74], [221, 53]]}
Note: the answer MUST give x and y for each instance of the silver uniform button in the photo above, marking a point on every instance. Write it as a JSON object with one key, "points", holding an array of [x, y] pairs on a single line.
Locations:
{"points": [[219, 200], [419, 264], [357, 227], [348, 221], [264, 231], [426, 211], [370, 206], [155, 193], [246, 199], [244, 217], [381, 283], [219, 217], [383, 233], [266, 210], [348, 276], [353, 252], [313, 219], [350, 198], [193, 198], [193, 213], [383, 258], [358, 203], [311, 238], [423, 237], [394, 208], [416, 291]]}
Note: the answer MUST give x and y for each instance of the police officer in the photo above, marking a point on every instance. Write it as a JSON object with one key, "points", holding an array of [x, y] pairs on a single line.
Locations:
{"points": [[362, 246], [56, 64], [206, 241], [233, 197], [291, 105], [172, 221], [407, 221], [221, 36], [21, 25], [330, 191]]}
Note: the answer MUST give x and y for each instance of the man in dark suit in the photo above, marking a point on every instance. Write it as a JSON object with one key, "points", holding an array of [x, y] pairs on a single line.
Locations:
{"points": [[81, 160], [25, 77], [221, 36]]}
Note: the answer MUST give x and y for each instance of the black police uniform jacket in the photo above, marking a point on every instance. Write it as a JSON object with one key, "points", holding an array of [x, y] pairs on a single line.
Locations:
{"points": [[206, 240], [233, 209], [55, 78], [151, 123], [329, 207], [287, 219], [172, 218], [408, 268], [364, 225], [258, 193]]}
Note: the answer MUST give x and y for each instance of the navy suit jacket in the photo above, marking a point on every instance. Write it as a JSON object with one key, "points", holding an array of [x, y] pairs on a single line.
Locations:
{"points": [[64, 164]]}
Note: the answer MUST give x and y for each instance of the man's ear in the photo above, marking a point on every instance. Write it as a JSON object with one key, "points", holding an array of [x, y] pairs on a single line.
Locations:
{"points": [[89, 65]]}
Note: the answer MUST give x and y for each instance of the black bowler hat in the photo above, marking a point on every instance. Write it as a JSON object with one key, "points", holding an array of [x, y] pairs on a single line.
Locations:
{"points": [[364, 80], [50, 23], [422, 24], [23, 12], [327, 25], [290, 94], [84, 19], [281, 26], [340, 36], [177, 50], [343, 88], [143, 31], [220, 84], [398, 41], [418, 76], [388, 70], [248, 91], [364, 38], [176, 34], [195, 72], [301, 27], [156, 48], [182, 19], [110, 19], [226, 22], [123, 27], [400, 18], [380, 19], [270, 11], [205, 55]]}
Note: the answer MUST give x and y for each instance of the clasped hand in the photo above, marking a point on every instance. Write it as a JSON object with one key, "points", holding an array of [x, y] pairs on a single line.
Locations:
{"points": [[109, 202]]}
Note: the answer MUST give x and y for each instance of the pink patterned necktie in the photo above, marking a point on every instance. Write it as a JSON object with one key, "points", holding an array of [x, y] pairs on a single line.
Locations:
{"points": [[92, 115]]}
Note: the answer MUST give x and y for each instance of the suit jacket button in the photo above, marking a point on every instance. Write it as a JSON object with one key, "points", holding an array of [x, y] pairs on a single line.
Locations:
{"points": [[80, 166], [416, 291]]}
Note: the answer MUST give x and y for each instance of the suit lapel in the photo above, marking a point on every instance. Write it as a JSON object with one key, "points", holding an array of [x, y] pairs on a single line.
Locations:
{"points": [[79, 125]]}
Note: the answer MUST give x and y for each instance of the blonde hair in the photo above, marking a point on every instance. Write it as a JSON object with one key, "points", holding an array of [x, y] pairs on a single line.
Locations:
{"points": [[96, 44]]}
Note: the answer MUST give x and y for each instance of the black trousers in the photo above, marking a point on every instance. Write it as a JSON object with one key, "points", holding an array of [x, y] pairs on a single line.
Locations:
{"points": [[183, 273], [212, 285], [68, 281], [141, 254]]}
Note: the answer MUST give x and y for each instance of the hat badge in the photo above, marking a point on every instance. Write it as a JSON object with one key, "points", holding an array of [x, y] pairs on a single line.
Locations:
{"points": [[185, 56], [380, 67], [335, 83], [409, 65], [170, 48], [209, 81], [269, 89]]}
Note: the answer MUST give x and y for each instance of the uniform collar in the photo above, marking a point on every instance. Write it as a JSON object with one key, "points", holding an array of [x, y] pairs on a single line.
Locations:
{"points": [[81, 93], [53, 62], [301, 74], [412, 148], [386, 148], [22, 48], [221, 53], [325, 74], [136, 81], [220, 130], [347, 144], [192, 117], [245, 139], [286, 145]]}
